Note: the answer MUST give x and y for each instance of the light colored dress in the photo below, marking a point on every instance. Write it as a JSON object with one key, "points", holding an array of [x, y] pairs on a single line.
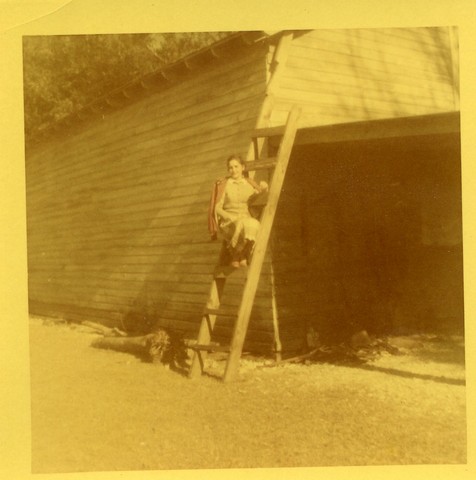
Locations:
{"points": [[234, 219]]}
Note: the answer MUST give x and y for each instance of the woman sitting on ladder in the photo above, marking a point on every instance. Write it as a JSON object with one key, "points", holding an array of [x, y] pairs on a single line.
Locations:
{"points": [[229, 211]]}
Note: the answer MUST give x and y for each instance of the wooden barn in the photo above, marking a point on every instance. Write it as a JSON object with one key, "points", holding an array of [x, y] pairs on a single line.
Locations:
{"points": [[368, 228]]}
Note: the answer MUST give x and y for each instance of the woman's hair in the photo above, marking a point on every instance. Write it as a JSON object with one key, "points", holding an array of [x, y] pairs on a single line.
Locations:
{"points": [[235, 157]]}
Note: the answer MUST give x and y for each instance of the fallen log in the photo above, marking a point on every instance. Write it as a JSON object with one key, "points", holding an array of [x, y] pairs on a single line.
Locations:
{"points": [[135, 345], [155, 347]]}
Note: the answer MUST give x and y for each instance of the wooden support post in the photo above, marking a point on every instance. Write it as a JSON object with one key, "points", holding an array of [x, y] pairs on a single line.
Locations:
{"points": [[206, 326], [255, 148], [279, 62], [274, 307], [254, 269]]}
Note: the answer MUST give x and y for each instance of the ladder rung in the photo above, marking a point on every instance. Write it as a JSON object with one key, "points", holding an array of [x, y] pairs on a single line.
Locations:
{"points": [[227, 312], [210, 348], [268, 132], [261, 164]]}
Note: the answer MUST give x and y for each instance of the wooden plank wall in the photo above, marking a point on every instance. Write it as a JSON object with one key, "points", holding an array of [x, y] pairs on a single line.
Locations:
{"points": [[117, 228], [362, 74]]}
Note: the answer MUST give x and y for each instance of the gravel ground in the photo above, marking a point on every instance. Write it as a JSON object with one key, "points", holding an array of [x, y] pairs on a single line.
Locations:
{"points": [[101, 410]]}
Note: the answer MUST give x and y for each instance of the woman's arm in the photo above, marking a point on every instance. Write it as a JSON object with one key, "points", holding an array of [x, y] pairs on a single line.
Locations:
{"points": [[220, 211]]}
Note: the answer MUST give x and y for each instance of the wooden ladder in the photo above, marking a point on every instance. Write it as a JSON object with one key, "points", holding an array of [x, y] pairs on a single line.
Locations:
{"points": [[212, 309]]}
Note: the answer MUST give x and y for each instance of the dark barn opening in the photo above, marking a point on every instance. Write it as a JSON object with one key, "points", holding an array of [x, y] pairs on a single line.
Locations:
{"points": [[369, 236]]}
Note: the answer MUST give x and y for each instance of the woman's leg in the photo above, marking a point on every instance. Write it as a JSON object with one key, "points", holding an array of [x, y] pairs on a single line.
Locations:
{"points": [[242, 240], [250, 228], [234, 243], [250, 231], [239, 228]]}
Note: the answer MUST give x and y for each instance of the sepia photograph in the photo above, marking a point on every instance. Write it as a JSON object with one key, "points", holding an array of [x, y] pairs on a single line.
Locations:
{"points": [[280, 211], [244, 248]]}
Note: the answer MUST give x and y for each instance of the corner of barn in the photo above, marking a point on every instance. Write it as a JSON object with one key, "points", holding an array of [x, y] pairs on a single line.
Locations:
{"points": [[368, 234]]}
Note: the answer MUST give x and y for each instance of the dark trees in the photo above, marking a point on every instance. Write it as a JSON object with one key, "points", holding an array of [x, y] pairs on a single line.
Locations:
{"points": [[63, 73]]}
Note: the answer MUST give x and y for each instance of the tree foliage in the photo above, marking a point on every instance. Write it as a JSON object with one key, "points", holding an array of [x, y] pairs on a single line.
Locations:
{"points": [[61, 74]]}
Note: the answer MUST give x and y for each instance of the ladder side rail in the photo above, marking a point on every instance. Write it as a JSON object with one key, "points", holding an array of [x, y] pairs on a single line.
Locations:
{"points": [[255, 267]]}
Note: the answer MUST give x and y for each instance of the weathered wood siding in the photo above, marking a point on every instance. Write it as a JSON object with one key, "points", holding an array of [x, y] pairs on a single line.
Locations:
{"points": [[341, 76], [117, 210]]}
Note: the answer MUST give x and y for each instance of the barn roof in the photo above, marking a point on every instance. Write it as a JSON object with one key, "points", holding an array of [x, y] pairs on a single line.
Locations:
{"points": [[159, 79], [417, 125]]}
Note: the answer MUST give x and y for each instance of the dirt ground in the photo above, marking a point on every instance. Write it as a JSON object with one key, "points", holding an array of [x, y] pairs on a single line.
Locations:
{"points": [[102, 410]]}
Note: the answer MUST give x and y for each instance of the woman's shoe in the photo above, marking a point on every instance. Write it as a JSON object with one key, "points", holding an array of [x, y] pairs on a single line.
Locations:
{"points": [[234, 257], [248, 250]]}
